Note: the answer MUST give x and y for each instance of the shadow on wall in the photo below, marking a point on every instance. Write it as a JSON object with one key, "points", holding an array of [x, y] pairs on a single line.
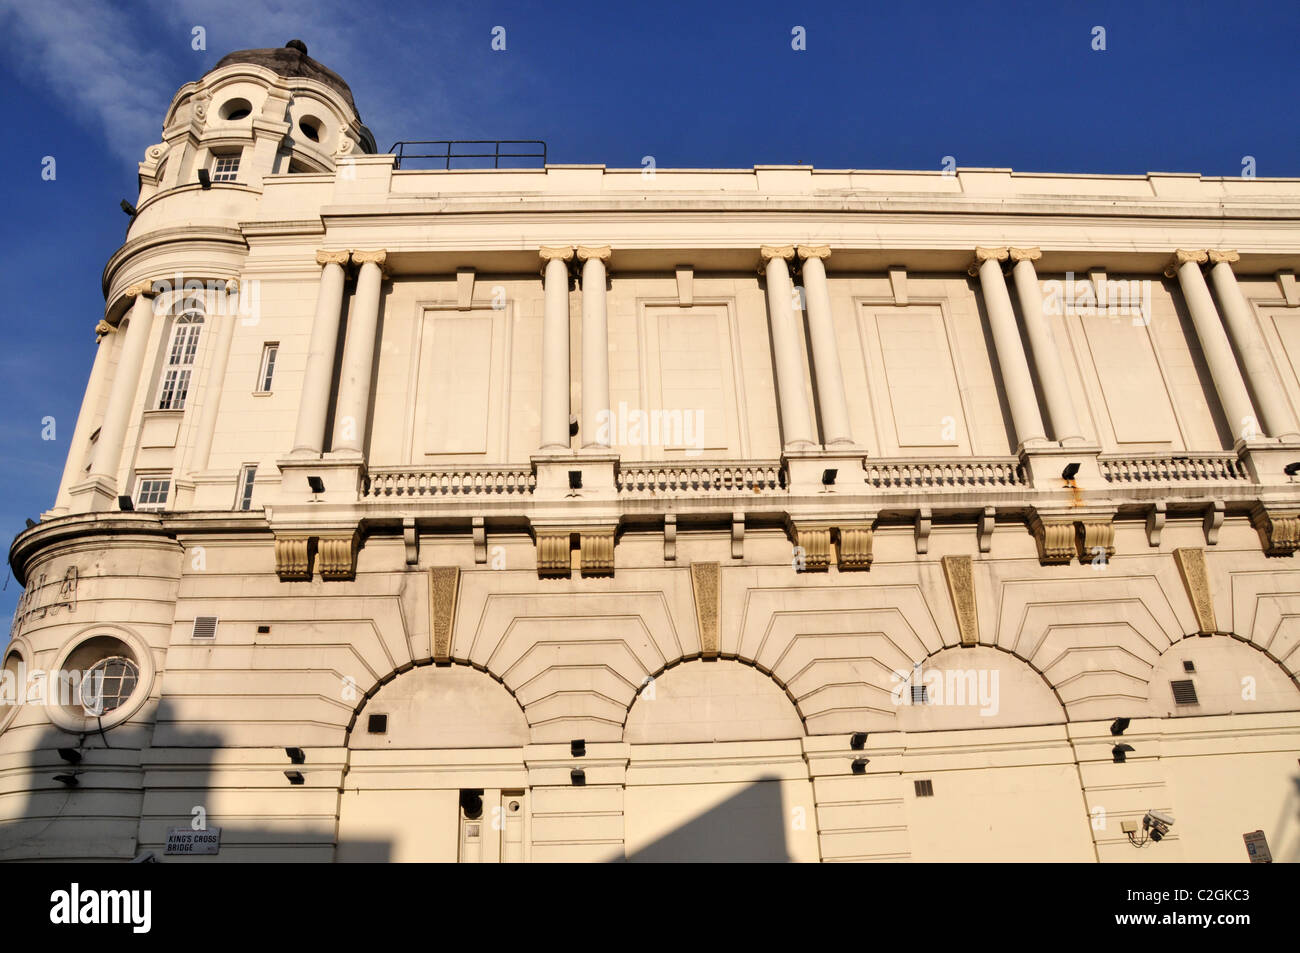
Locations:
{"points": [[128, 795], [748, 827]]}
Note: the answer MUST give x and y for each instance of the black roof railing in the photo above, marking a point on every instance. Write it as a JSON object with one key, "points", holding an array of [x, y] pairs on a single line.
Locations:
{"points": [[447, 151]]}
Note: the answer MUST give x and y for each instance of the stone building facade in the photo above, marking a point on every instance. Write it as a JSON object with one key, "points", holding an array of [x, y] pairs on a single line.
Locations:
{"points": [[576, 513]]}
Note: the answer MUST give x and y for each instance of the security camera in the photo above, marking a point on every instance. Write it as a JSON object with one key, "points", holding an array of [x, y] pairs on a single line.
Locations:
{"points": [[1158, 823]]}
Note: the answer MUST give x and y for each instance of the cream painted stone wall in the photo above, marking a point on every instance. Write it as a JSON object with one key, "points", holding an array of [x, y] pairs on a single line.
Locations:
{"points": [[669, 648]]}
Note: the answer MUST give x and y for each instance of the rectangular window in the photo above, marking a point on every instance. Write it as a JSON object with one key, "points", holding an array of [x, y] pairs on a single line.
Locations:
{"points": [[246, 478], [267, 372], [225, 168], [180, 362], [151, 493]]}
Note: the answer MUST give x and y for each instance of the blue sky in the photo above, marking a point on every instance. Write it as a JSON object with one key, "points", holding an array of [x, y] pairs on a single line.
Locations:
{"points": [[1185, 86]]}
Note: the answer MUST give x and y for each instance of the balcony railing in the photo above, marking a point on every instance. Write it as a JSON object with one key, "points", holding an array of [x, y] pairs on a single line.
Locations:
{"points": [[443, 152], [402, 483], [1174, 468], [974, 473], [716, 476]]}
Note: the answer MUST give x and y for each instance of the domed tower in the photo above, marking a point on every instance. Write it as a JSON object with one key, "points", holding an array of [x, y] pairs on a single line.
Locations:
{"points": [[256, 113]]}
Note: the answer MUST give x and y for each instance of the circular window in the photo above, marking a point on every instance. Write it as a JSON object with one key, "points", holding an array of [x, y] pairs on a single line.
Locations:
{"points": [[235, 109], [311, 128], [108, 684], [100, 680]]}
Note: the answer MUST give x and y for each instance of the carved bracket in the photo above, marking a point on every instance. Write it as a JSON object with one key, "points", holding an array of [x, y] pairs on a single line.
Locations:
{"points": [[1279, 530], [553, 553], [1055, 540], [597, 552], [1095, 534], [337, 556], [855, 546], [293, 558]]}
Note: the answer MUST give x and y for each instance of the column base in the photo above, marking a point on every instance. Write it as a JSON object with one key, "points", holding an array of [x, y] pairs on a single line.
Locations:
{"points": [[809, 472]]}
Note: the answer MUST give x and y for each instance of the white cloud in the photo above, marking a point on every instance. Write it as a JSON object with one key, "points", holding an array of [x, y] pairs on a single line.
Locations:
{"points": [[90, 55]]}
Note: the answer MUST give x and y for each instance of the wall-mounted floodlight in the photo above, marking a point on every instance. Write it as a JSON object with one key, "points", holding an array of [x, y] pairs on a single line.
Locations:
{"points": [[578, 777], [296, 755], [30, 522], [858, 740], [828, 477], [67, 779], [578, 748], [1119, 726], [1291, 469], [316, 484], [205, 179], [575, 479], [128, 208], [860, 765], [125, 504], [70, 755], [295, 777], [1070, 472], [1118, 752]]}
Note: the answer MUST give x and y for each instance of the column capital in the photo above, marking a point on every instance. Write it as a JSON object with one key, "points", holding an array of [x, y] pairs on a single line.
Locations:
{"points": [[144, 289], [104, 328], [1220, 255], [813, 251], [594, 252], [333, 257], [768, 252], [379, 258], [1025, 254], [1182, 256], [556, 252], [983, 254]]}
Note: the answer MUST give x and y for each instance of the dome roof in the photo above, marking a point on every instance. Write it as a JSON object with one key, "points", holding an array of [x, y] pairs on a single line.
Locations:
{"points": [[290, 60]]}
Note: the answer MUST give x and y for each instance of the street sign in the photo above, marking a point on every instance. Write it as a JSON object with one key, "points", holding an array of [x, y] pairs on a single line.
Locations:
{"points": [[1257, 848], [182, 840]]}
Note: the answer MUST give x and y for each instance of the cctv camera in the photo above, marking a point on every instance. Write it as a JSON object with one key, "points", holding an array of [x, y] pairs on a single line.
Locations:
{"points": [[1158, 823], [1161, 817]]}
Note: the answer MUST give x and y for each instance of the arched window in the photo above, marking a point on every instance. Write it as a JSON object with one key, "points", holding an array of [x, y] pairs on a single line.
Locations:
{"points": [[180, 356]]}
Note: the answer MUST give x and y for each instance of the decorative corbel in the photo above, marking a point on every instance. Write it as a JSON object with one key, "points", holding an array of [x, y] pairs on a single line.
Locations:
{"points": [[1155, 523], [988, 520], [464, 288], [338, 556], [737, 535], [554, 553], [1279, 530], [597, 552], [923, 522], [1191, 567], [855, 545], [1213, 520], [1055, 539], [411, 540], [814, 544], [293, 558], [1095, 534], [478, 530], [670, 538]]}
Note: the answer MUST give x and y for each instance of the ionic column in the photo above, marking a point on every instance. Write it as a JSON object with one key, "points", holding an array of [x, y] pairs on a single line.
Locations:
{"points": [[1047, 357], [1278, 419], [359, 354], [1006, 341], [117, 415], [795, 419], [213, 387], [309, 438], [595, 346], [836, 431], [555, 348], [1186, 264]]}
